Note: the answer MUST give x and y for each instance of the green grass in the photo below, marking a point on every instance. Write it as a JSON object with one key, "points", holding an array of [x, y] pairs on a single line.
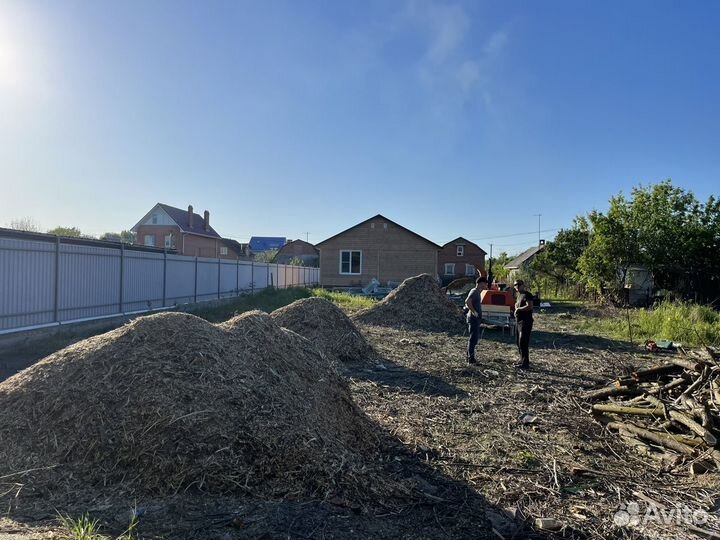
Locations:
{"points": [[271, 299], [87, 528], [686, 323], [349, 302]]}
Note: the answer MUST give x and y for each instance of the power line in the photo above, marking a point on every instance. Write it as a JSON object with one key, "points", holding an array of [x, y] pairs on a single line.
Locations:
{"points": [[515, 234]]}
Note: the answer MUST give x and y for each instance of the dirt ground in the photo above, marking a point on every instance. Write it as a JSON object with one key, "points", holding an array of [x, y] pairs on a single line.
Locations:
{"points": [[485, 450]]}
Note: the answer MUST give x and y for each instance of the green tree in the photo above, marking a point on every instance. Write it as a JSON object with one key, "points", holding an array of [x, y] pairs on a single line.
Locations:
{"points": [[496, 265], [127, 237], [296, 261], [70, 232], [557, 264], [665, 229], [266, 256]]}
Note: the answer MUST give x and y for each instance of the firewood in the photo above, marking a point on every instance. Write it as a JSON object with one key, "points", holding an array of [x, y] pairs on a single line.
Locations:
{"points": [[611, 391], [687, 363], [685, 420], [660, 439], [655, 371], [603, 408]]}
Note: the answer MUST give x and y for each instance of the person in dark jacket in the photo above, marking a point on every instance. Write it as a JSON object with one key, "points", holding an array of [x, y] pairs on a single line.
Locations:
{"points": [[474, 314], [524, 318]]}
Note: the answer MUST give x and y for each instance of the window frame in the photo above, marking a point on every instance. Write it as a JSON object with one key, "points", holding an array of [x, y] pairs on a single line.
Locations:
{"points": [[223, 250], [469, 272], [146, 238], [340, 261], [449, 265], [460, 250]]}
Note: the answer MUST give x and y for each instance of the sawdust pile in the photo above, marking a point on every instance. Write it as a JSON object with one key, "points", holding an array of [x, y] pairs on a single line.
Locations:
{"points": [[418, 304], [327, 327], [170, 402]]}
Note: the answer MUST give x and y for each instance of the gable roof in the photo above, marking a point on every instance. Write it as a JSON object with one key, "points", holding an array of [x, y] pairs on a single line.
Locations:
{"points": [[299, 242], [180, 217], [236, 246], [380, 216], [524, 256], [460, 239], [266, 243]]}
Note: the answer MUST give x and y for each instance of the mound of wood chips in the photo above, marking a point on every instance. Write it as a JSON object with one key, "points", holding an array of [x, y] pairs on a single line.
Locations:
{"points": [[669, 412], [327, 327], [416, 304], [170, 402]]}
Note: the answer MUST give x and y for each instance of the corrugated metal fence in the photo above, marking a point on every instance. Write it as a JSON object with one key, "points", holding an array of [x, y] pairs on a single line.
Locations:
{"points": [[46, 280]]}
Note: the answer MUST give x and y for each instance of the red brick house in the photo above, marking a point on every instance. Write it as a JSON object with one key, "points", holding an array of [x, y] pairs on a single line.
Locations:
{"points": [[298, 249], [459, 258], [184, 231]]}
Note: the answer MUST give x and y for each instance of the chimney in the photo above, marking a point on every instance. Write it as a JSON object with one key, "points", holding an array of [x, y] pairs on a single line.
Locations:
{"points": [[190, 216], [207, 220]]}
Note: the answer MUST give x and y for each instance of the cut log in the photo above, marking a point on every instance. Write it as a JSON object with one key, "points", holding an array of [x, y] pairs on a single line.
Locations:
{"points": [[667, 460], [687, 363], [660, 439], [685, 420], [620, 409], [655, 371]]}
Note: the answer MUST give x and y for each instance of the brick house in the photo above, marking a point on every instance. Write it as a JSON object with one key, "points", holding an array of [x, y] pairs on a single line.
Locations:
{"points": [[184, 231], [459, 258], [375, 248], [298, 249]]}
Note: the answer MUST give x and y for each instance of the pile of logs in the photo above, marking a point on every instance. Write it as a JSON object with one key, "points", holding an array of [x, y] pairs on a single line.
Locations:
{"points": [[669, 412]]}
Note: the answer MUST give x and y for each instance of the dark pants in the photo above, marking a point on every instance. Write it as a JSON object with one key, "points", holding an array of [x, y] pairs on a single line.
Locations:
{"points": [[522, 337], [474, 329]]}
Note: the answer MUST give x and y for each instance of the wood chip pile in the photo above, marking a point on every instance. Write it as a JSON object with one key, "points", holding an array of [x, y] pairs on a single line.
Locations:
{"points": [[669, 412], [170, 402], [327, 327], [417, 304]]}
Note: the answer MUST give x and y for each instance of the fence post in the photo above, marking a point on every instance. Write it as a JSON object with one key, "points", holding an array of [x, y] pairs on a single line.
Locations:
{"points": [[56, 304], [286, 267], [196, 268], [218, 278], [267, 281], [164, 276], [252, 277], [237, 276], [277, 273], [122, 274]]}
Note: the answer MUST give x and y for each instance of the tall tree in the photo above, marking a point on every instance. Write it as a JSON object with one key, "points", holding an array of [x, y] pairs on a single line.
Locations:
{"points": [[127, 237]]}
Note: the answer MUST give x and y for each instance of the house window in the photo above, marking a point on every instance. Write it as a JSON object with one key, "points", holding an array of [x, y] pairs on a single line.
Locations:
{"points": [[223, 250], [154, 219], [169, 241], [149, 240], [449, 269], [469, 270], [350, 262], [460, 251]]}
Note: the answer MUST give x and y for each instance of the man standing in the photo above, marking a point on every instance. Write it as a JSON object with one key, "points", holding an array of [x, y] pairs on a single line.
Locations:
{"points": [[474, 314], [524, 318]]}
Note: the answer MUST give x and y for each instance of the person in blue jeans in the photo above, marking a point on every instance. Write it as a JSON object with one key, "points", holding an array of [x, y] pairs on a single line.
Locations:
{"points": [[474, 314]]}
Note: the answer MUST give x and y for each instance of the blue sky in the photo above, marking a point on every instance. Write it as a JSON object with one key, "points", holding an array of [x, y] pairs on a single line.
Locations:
{"points": [[287, 117]]}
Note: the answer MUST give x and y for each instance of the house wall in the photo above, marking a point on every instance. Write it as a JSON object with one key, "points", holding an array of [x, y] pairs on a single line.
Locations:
{"points": [[473, 255], [301, 250], [185, 244], [389, 253]]}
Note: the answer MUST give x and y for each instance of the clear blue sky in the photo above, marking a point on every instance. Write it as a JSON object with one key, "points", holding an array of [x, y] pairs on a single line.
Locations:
{"points": [[281, 117]]}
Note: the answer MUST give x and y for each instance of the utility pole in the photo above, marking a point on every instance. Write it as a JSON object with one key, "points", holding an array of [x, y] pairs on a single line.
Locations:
{"points": [[538, 216], [307, 237], [490, 276]]}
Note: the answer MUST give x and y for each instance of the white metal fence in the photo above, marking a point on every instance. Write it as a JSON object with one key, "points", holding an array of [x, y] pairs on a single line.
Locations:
{"points": [[46, 280]]}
